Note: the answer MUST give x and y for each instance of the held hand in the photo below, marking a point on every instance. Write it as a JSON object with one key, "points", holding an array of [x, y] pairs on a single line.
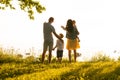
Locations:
{"points": [[53, 49]]}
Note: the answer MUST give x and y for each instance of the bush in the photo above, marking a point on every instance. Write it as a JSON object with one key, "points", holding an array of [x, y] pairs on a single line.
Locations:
{"points": [[7, 58], [29, 59], [119, 58], [101, 57]]}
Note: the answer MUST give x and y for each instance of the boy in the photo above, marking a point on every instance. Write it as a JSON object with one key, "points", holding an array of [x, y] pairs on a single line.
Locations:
{"points": [[59, 46]]}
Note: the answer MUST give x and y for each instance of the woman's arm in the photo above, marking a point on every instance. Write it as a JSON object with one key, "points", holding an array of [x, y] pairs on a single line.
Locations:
{"points": [[63, 27]]}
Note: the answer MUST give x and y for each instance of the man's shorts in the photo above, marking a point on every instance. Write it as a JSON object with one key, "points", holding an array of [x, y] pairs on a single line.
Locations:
{"points": [[47, 44]]}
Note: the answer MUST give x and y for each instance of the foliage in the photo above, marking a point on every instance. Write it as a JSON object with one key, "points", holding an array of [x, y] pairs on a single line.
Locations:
{"points": [[28, 69], [101, 57], [63, 71], [28, 6], [8, 58], [6, 3], [119, 58], [29, 59]]}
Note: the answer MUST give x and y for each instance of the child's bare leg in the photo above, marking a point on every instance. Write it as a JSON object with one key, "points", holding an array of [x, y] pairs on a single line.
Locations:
{"points": [[57, 59], [60, 60]]}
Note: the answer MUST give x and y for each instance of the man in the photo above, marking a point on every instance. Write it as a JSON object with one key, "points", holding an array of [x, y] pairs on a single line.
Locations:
{"points": [[48, 29]]}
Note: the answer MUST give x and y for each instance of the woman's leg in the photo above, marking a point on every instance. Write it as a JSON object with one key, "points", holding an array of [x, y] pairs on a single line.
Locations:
{"points": [[75, 55], [69, 54]]}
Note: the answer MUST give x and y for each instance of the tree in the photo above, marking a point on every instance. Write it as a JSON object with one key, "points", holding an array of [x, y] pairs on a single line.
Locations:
{"points": [[29, 6]]}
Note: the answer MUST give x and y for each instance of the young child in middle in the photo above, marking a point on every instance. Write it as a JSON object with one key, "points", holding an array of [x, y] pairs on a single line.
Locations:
{"points": [[60, 46]]}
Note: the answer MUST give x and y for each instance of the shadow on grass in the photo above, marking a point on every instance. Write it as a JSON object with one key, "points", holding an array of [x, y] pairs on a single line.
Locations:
{"points": [[27, 68], [90, 72], [75, 74], [113, 75], [11, 72]]}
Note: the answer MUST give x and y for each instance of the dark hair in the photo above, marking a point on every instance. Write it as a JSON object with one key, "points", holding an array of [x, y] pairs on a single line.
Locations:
{"points": [[51, 19], [69, 25]]}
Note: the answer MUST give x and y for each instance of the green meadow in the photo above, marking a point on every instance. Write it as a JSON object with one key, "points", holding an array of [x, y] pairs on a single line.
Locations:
{"points": [[14, 67]]}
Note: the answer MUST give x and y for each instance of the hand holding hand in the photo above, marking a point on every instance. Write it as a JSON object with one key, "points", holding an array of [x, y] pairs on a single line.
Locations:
{"points": [[53, 49]]}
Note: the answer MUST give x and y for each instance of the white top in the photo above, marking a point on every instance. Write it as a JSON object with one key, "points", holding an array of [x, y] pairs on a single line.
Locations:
{"points": [[59, 45]]}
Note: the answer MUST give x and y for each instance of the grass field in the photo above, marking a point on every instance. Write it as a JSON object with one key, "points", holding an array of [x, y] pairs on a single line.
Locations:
{"points": [[16, 68]]}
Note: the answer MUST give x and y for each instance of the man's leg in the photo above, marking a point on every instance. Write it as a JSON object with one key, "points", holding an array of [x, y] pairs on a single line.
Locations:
{"points": [[50, 55], [43, 56], [44, 51], [50, 51]]}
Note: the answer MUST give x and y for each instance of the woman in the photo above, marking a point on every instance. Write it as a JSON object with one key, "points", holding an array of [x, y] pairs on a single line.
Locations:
{"points": [[72, 41]]}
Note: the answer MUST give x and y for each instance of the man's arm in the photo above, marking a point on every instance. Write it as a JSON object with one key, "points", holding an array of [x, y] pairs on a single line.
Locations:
{"points": [[54, 47], [58, 36]]}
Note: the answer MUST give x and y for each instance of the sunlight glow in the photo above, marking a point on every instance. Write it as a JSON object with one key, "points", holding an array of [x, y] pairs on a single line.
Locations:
{"points": [[97, 21]]}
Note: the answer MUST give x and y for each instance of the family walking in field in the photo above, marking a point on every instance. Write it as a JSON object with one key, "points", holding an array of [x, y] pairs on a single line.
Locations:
{"points": [[71, 35]]}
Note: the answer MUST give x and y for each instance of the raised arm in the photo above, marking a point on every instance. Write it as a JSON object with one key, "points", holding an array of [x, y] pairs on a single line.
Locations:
{"points": [[63, 27]]}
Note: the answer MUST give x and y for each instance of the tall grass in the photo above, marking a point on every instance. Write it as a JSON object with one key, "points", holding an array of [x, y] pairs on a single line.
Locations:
{"points": [[7, 58], [14, 67], [101, 57]]}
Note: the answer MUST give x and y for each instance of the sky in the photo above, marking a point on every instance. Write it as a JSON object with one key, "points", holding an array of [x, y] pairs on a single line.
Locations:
{"points": [[98, 22]]}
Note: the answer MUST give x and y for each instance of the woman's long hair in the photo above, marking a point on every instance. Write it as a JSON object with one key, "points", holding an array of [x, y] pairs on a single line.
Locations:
{"points": [[69, 26]]}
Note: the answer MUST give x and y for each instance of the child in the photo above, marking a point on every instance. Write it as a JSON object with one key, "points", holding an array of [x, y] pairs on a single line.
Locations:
{"points": [[74, 24], [59, 46]]}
